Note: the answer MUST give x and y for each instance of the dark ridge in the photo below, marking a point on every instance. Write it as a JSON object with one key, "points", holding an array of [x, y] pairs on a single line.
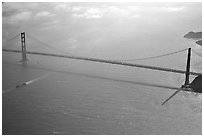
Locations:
{"points": [[193, 35], [199, 42], [196, 84]]}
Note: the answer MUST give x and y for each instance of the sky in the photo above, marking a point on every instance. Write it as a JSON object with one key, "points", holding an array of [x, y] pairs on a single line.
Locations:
{"points": [[111, 30]]}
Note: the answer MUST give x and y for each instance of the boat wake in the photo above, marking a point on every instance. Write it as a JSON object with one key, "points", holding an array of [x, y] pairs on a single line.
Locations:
{"points": [[25, 83]]}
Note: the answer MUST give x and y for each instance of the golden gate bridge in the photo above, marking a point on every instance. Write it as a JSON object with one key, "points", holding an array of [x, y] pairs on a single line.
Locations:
{"points": [[187, 72]]}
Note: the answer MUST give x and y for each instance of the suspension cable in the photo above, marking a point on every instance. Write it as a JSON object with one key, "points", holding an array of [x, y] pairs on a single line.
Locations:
{"points": [[14, 37], [152, 57], [118, 62], [197, 53], [106, 61], [44, 44]]}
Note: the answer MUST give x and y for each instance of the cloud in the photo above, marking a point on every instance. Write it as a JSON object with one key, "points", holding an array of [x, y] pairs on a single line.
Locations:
{"points": [[88, 12], [11, 8], [88, 16], [44, 14], [127, 11], [79, 9], [108, 11], [26, 15], [62, 6]]}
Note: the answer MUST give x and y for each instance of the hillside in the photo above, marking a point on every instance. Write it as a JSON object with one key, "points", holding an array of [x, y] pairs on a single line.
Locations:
{"points": [[193, 35]]}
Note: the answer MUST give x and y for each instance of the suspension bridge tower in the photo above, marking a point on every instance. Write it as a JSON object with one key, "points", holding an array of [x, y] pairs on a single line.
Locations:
{"points": [[187, 84], [23, 46]]}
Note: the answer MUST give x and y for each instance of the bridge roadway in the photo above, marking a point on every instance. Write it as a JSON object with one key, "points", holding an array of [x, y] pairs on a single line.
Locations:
{"points": [[105, 61]]}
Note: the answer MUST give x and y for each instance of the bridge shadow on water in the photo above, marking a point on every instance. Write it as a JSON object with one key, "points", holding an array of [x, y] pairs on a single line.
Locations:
{"points": [[93, 76]]}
